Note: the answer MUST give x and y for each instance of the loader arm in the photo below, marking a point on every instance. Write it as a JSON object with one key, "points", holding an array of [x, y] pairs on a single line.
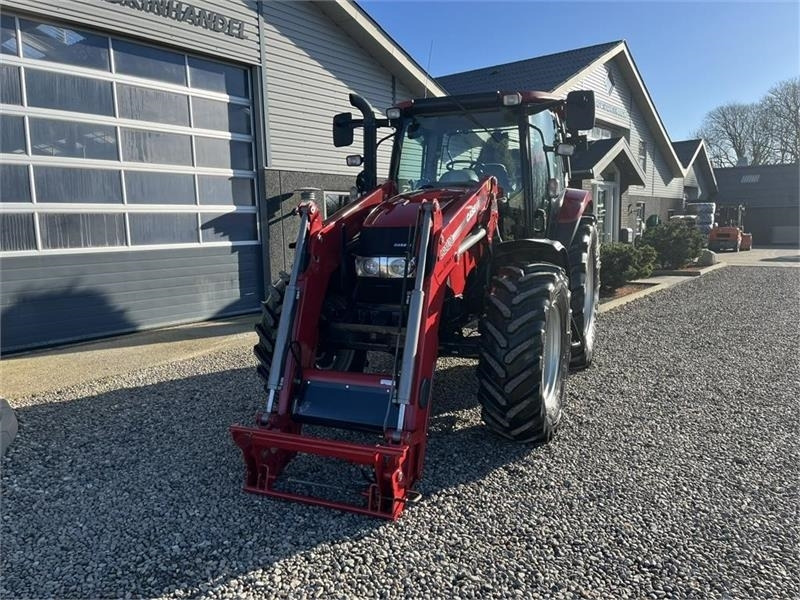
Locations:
{"points": [[444, 253]]}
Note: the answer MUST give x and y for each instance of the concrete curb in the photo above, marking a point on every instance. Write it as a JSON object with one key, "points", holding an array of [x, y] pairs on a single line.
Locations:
{"points": [[689, 272], [667, 282], [8, 426]]}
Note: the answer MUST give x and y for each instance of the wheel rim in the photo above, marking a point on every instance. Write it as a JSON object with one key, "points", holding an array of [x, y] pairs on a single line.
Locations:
{"points": [[551, 358], [589, 296]]}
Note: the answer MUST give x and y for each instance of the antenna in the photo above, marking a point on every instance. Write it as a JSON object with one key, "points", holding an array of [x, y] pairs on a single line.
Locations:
{"points": [[428, 68]]}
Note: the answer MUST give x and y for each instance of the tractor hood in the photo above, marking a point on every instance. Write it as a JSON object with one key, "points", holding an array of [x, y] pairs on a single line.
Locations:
{"points": [[402, 210]]}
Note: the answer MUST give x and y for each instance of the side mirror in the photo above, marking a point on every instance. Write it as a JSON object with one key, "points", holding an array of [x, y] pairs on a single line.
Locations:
{"points": [[565, 149], [580, 110], [342, 130], [354, 160]]}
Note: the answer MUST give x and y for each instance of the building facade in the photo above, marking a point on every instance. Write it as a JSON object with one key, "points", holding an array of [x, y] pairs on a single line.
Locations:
{"points": [[151, 150]]}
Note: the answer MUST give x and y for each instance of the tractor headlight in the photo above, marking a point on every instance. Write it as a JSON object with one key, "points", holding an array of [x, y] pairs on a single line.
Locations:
{"points": [[392, 267]]}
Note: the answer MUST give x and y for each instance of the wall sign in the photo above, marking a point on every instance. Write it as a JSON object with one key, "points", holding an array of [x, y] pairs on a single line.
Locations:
{"points": [[184, 12]]}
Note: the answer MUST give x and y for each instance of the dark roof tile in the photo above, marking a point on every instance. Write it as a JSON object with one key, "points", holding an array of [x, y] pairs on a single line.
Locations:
{"points": [[543, 73]]}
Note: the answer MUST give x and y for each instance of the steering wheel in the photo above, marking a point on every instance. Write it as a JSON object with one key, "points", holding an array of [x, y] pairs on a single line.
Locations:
{"points": [[471, 164]]}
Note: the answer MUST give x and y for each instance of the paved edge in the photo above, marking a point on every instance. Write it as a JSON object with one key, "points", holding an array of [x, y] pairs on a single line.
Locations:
{"points": [[8, 426], [657, 287], [690, 272]]}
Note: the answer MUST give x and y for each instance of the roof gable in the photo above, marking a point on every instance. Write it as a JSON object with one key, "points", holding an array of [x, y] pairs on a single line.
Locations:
{"points": [[694, 153], [357, 23], [540, 73]]}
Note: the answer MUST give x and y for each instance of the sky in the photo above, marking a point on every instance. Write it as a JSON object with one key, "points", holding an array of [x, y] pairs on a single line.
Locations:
{"points": [[692, 56]]}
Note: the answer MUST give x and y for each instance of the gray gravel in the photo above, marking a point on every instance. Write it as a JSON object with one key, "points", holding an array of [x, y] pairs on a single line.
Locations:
{"points": [[675, 475]]}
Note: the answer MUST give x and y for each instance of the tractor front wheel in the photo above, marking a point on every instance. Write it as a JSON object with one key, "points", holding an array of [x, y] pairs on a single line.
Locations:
{"points": [[524, 354], [267, 329], [584, 286]]}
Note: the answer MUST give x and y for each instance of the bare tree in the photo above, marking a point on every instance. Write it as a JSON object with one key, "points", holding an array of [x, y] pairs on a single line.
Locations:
{"points": [[735, 133], [764, 132], [782, 111]]}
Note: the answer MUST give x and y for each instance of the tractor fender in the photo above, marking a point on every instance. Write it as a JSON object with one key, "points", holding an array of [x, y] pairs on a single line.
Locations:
{"points": [[530, 251], [576, 205]]}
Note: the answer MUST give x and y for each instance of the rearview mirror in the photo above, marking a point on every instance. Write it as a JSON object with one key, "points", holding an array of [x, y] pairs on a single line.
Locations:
{"points": [[342, 130], [580, 110], [565, 149]]}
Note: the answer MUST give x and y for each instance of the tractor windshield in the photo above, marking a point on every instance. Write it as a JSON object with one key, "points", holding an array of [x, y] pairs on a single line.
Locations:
{"points": [[450, 150]]}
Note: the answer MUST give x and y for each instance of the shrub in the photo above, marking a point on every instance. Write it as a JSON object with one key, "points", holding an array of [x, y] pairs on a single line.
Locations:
{"points": [[675, 244], [623, 262]]}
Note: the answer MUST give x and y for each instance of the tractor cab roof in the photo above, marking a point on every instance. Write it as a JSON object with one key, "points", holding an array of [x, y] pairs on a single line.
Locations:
{"points": [[483, 100]]}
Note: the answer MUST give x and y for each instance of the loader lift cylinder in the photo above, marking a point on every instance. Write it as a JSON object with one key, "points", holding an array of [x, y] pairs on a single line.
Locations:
{"points": [[287, 313], [415, 310]]}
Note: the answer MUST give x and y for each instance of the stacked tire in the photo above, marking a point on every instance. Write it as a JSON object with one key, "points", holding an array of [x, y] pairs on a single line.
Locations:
{"points": [[705, 215]]}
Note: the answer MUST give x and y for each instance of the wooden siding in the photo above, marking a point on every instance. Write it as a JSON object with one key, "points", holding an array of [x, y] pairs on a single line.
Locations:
{"points": [[125, 21], [312, 66], [51, 299], [617, 107]]}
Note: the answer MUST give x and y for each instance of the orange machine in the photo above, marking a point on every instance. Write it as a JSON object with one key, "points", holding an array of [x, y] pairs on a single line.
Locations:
{"points": [[729, 238]]}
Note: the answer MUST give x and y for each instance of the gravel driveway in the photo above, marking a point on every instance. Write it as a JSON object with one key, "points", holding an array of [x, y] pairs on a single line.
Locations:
{"points": [[675, 475]]}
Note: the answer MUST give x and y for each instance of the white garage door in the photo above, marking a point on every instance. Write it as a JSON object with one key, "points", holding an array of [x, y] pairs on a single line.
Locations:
{"points": [[112, 145]]}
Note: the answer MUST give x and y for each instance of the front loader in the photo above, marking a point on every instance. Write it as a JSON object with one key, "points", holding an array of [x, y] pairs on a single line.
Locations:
{"points": [[473, 247]]}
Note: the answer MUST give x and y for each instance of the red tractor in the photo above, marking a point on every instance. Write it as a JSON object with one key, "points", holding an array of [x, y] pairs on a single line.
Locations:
{"points": [[473, 247]]}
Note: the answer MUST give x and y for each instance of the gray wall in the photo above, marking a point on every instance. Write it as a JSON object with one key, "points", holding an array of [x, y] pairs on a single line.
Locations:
{"points": [[281, 202], [50, 299], [312, 65]]}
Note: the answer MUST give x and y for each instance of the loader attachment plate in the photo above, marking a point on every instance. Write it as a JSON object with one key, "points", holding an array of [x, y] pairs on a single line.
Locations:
{"points": [[267, 451]]}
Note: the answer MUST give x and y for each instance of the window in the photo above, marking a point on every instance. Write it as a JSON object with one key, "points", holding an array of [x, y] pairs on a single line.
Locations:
{"points": [[750, 178], [62, 45], [163, 228], [12, 135], [610, 84], [223, 154], [139, 145], [16, 231], [15, 185], [46, 89], [643, 155], [228, 227], [217, 77], [409, 170], [212, 114], [74, 230], [334, 201], [73, 139], [81, 186], [159, 188], [10, 91], [143, 104], [8, 35], [237, 191], [148, 62]]}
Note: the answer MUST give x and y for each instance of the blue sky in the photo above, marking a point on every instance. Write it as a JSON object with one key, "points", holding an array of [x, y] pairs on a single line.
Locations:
{"points": [[692, 56]]}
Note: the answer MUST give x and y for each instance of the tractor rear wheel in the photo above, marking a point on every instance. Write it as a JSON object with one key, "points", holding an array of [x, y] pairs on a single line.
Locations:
{"points": [[524, 354], [584, 286], [267, 329]]}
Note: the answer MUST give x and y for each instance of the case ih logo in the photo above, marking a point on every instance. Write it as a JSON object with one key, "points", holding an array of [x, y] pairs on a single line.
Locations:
{"points": [[188, 13]]}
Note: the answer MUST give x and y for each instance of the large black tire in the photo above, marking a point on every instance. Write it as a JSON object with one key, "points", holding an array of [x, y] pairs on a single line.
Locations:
{"points": [[524, 354], [584, 286], [345, 360]]}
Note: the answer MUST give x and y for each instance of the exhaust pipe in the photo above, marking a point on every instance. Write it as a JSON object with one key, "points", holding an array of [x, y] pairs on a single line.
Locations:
{"points": [[369, 175]]}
